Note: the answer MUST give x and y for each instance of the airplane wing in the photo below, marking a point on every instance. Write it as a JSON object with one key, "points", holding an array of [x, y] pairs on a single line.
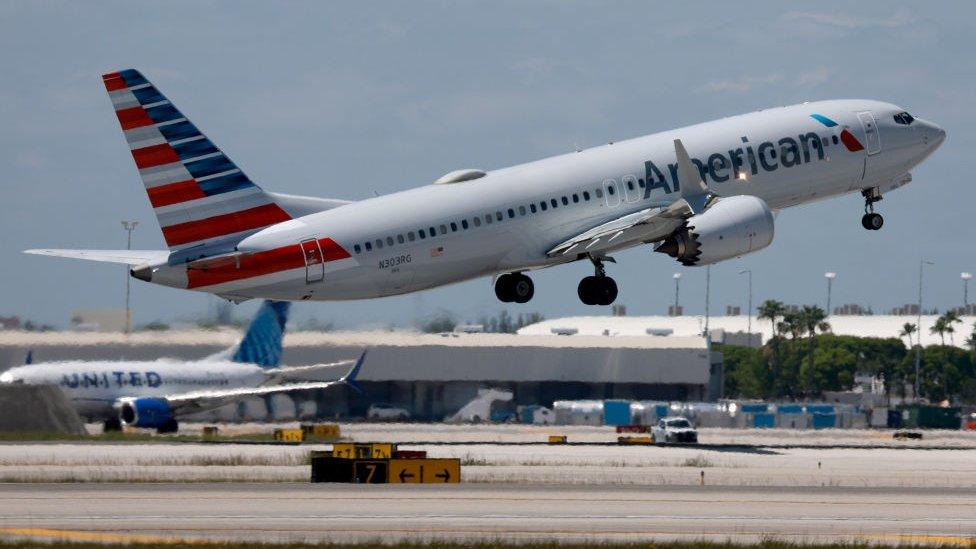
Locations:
{"points": [[128, 257], [302, 373], [198, 401], [648, 225]]}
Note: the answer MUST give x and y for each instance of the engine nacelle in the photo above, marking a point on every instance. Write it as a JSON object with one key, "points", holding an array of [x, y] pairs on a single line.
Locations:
{"points": [[147, 412], [731, 227]]}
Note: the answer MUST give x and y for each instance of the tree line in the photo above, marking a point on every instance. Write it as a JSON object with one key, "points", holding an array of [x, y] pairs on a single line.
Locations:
{"points": [[803, 359]]}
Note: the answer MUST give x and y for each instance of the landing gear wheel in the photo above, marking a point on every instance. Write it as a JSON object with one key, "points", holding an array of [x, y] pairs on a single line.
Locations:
{"points": [[515, 287], [113, 424], [872, 221], [597, 290], [169, 426], [522, 288]]}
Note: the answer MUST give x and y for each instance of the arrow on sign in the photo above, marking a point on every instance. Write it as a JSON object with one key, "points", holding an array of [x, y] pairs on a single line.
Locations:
{"points": [[445, 475], [404, 475]]}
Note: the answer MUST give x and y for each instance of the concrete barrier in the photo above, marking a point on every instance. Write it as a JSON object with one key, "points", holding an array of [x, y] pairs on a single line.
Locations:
{"points": [[37, 409]]}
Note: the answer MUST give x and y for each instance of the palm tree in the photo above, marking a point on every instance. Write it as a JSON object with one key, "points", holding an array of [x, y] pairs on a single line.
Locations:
{"points": [[907, 330], [951, 317], [771, 310], [939, 327], [792, 324], [811, 320], [971, 340]]}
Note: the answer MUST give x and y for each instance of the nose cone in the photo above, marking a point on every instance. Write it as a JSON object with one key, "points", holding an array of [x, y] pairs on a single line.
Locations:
{"points": [[932, 135]]}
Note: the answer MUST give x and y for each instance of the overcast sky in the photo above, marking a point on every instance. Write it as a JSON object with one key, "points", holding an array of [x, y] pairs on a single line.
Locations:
{"points": [[344, 99]]}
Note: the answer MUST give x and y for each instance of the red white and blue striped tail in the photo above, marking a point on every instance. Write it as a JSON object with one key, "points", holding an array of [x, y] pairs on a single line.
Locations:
{"points": [[199, 195]]}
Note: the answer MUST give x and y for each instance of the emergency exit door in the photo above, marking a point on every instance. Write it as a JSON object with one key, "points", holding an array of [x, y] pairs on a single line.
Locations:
{"points": [[314, 266]]}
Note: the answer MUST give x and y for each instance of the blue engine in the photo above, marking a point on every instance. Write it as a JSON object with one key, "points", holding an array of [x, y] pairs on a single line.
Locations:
{"points": [[153, 413]]}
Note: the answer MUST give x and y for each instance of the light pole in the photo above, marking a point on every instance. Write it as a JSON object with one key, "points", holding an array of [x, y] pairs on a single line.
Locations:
{"points": [[830, 282], [966, 277], [708, 287], [749, 306], [918, 351], [128, 227], [677, 281]]}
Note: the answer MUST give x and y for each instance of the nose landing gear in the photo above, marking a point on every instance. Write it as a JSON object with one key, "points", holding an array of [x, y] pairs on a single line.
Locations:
{"points": [[871, 221], [599, 289], [514, 287]]}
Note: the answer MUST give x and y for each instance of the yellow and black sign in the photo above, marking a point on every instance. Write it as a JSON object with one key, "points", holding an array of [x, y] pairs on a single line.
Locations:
{"points": [[557, 439], [349, 450], [370, 471], [425, 471], [289, 435], [635, 440], [322, 430]]}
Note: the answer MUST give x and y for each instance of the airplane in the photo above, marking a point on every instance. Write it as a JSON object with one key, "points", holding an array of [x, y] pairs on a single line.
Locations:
{"points": [[699, 194], [154, 394]]}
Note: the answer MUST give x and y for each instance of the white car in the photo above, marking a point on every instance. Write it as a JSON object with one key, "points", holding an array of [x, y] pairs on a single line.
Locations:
{"points": [[387, 412], [674, 429]]}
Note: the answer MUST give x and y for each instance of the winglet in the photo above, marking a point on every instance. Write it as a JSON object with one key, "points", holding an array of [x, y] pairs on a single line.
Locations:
{"points": [[29, 359], [350, 377], [693, 189]]}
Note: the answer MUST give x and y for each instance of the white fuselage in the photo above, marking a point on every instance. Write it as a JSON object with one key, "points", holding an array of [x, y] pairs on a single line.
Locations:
{"points": [[94, 387], [497, 223]]}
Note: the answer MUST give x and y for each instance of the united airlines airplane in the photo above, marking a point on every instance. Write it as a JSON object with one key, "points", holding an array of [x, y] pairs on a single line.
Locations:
{"points": [[700, 194], [154, 394]]}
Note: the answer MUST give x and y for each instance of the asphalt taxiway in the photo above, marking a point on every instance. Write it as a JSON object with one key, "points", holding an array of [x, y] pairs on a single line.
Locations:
{"points": [[328, 512]]}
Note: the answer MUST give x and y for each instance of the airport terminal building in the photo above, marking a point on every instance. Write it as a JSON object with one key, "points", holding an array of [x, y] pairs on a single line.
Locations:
{"points": [[434, 375]]}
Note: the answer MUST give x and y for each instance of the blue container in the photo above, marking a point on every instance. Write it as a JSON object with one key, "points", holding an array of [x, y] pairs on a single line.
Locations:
{"points": [[661, 410], [790, 409], [754, 408], [820, 408], [764, 421], [824, 421], [616, 412], [527, 413]]}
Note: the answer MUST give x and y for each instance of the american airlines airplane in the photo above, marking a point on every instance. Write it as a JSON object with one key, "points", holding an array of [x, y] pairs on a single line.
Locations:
{"points": [[154, 394], [700, 194]]}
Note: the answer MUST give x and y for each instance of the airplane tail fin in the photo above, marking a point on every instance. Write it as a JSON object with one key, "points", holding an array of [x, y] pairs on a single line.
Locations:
{"points": [[350, 378], [262, 342], [29, 359], [199, 196]]}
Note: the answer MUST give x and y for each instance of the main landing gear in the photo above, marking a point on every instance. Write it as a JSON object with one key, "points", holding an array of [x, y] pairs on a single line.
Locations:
{"points": [[514, 287], [112, 424], [871, 221], [599, 289]]}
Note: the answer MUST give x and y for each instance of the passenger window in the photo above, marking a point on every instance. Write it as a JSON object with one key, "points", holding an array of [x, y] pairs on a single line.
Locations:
{"points": [[487, 219], [521, 210], [389, 241], [598, 192], [443, 229], [834, 139], [477, 221], [511, 213], [422, 234], [464, 224], [543, 206], [575, 198], [411, 237], [369, 247], [586, 196], [379, 244], [433, 232], [357, 248], [640, 183], [630, 184], [565, 201], [611, 190], [453, 227], [532, 208], [555, 203], [498, 216], [400, 238]]}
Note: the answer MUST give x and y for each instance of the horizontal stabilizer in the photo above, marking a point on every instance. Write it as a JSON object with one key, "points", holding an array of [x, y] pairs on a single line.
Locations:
{"points": [[127, 257]]}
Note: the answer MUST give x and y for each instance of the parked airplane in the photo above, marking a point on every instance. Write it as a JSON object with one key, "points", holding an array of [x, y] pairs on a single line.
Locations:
{"points": [[155, 394], [700, 194]]}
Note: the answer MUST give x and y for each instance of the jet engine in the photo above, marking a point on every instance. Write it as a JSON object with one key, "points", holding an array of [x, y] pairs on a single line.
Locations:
{"points": [[153, 413], [731, 227]]}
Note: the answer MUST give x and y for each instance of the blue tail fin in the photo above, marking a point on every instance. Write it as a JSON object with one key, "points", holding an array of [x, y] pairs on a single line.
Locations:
{"points": [[29, 359], [350, 378], [262, 342]]}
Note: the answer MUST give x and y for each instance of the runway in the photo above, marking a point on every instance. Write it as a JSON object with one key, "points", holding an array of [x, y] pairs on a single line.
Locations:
{"points": [[296, 511]]}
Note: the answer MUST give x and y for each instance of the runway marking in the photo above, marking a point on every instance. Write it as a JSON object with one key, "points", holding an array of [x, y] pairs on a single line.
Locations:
{"points": [[82, 535]]}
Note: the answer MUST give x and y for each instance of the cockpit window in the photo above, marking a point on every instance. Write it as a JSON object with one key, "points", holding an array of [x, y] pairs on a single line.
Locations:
{"points": [[904, 118]]}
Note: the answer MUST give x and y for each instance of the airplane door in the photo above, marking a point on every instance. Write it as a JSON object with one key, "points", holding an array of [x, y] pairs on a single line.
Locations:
{"points": [[871, 134], [314, 266], [610, 193]]}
